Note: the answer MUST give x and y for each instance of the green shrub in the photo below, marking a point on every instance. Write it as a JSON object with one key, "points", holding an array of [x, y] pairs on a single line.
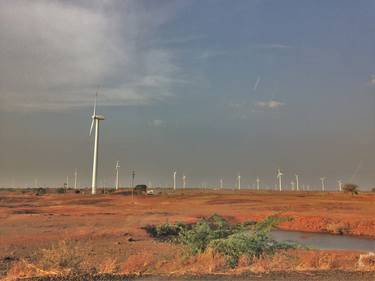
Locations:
{"points": [[350, 187], [61, 190], [251, 239]]}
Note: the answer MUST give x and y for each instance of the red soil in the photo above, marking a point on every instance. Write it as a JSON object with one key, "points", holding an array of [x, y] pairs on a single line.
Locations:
{"points": [[101, 225]]}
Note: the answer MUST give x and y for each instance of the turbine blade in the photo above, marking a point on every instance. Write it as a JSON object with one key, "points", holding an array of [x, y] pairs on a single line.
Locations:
{"points": [[92, 126]]}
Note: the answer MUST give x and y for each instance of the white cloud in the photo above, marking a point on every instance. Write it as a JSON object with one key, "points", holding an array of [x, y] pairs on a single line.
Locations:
{"points": [[270, 104], [372, 80], [274, 46], [54, 54], [157, 123]]}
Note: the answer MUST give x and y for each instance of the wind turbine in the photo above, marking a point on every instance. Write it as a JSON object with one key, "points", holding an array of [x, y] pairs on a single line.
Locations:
{"points": [[117, 179], [183, 181], [95, 120], [323, 183], [239, 181], [297, 182], [340, 184], [258, 181], [75, 179], [67, 182], [279, 175], [292, 184], [221, 183], [174, 180]]}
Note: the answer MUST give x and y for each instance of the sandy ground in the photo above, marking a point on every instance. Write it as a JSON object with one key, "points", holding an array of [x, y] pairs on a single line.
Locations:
{"points": [[107, 226]]}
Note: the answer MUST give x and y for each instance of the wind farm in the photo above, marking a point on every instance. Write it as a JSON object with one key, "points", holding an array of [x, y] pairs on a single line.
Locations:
{"points": [[187, 140]]}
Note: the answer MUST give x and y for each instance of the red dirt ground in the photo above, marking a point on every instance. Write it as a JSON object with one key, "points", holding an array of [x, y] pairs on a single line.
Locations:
{"points": [[102, 226]]}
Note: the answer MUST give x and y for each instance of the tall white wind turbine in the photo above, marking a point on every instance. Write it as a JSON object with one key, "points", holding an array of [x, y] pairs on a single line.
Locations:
{"points": [[117, 178], [297, 182], [258, 181], [323, 183], [221, 183], [340, 185], [174, 180], [239, 181], [95, 121], [279, 175]]}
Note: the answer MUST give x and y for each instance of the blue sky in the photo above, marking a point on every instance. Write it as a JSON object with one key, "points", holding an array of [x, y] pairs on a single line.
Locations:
{"points": [[209, 88]]}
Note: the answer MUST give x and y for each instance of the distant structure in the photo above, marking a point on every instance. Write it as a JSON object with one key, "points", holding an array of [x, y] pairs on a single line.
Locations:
{"points": [[95, 120], [279, 175], [323, 183], [132, 179], [297, 182], [340, 185], [239, 181], [183, 181], [258, 182], [75, 178], [221, 183], [174, 180], [117, 177], [292, 184], [67, 182]]}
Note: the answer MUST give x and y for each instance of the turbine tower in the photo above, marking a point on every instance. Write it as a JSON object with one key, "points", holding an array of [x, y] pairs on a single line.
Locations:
{"points": [[297, 182], [239, 181], [221, 183], [258, 181], [323, 183], [75, 179], [174, 180], [95, 120], [183, 181], [279, 175], [292, 184], [117, 179], [340, 185]]}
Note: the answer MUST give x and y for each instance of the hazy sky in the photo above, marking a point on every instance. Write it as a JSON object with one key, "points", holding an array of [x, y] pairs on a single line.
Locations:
{"points": [[210, 88]]}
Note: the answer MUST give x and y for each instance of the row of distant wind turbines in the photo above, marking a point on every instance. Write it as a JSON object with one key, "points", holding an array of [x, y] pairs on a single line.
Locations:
{"points": [[96, 122], [295, 185]]}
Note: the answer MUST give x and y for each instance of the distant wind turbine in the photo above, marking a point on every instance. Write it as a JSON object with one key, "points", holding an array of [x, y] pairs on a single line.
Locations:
{"points": [[297, 182], [174, 180], [292, 184], [221, 183], [75, 179], [117, 178], [183, 181], [323, 183], [258, 181], [340, 185], [279, 175], [95, 120], [67, 182], [239, 181]]}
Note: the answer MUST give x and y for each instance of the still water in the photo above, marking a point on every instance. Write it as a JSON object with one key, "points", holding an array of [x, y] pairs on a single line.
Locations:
{"points": [[326, 241]]}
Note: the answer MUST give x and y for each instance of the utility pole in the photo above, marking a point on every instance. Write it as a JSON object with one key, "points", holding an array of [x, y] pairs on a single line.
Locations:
{"points": [[132, 181]]}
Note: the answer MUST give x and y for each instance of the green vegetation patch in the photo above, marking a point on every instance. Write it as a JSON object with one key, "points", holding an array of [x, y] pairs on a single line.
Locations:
{"points": [[251, 239]]}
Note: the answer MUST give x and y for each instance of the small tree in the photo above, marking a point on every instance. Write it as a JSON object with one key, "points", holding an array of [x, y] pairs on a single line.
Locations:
{"points": [[352, 188]]}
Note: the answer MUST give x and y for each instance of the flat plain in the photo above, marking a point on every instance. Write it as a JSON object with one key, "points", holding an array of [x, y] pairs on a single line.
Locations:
{"points": [[106, 230]]}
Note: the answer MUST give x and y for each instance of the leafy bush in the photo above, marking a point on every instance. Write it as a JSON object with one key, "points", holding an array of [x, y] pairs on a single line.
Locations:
{"points": [[61, 190], [352, 188], [251, 239]]}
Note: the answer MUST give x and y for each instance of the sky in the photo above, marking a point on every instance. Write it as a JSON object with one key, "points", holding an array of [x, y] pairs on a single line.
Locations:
{"points": [[208, 89]]}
